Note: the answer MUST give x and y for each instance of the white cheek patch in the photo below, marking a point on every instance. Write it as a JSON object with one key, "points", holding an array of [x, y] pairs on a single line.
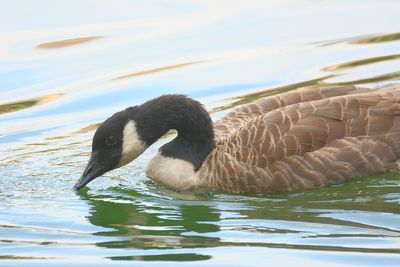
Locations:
{"points": [[132, 146]]}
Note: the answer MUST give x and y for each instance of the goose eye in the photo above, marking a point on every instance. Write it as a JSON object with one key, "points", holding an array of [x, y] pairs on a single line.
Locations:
{"points": [[111, 140]]}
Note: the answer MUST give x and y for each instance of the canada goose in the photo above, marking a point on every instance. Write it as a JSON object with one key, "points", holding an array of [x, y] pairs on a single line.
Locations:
{"points": [[297, 140]]}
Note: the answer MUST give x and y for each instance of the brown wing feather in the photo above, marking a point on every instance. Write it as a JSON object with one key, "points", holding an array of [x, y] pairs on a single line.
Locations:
{"points": [[306, 144], [247, 112]]}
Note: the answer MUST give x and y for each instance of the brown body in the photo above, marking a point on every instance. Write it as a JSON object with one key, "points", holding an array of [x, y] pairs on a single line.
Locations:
{"points": [[305, 139]]}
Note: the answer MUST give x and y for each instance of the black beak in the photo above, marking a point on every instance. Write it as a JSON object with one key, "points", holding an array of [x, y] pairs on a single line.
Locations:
{"points": [[93, 170]]}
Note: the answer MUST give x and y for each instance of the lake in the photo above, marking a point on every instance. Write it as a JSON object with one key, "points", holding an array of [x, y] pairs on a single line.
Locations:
{"points": [[65, 66]]}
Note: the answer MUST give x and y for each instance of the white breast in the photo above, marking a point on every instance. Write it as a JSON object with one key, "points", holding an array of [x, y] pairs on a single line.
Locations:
{"points": [[175, 173]]}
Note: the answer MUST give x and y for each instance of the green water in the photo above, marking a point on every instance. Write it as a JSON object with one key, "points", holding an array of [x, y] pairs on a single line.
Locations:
{"points": [[67, 65]]}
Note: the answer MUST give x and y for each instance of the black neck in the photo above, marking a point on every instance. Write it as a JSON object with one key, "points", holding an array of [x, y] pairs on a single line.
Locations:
{"points": [[195, 138]]}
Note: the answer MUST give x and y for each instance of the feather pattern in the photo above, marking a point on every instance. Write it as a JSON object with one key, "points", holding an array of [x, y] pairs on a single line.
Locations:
{"points": [[305, 139]]}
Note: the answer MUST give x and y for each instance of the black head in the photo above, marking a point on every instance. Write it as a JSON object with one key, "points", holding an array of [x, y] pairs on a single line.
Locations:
{"points": [[107, 148]]}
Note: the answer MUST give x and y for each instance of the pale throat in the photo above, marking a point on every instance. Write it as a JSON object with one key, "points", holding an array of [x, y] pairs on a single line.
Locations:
{"points": [[174, 173], [132, 146]]}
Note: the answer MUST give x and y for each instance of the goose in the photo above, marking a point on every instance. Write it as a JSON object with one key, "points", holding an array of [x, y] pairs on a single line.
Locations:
{"points": [[294, 141]]}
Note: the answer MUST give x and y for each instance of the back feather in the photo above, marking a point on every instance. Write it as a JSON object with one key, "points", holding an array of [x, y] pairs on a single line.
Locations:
{"points": [[305, 139]]}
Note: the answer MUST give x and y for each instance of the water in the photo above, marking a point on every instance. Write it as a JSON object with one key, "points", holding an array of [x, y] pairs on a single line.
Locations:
{"points": [[66, 66]]}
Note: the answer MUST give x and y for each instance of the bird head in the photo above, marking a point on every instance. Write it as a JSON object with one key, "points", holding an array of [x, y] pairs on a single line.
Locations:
{"points": [[116, 142]]}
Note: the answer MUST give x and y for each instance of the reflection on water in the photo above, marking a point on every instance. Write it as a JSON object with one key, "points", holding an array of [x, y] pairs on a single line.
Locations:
{"points": [[329, 219], [68, 42], [378, 39], [15, 106], [376, 79], [156, 70], [89, 128], [361, 62], [53, 98]]}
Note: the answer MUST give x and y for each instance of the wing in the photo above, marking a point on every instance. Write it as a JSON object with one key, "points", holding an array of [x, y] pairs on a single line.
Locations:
{"points": [[239, 116], [309, 144]]}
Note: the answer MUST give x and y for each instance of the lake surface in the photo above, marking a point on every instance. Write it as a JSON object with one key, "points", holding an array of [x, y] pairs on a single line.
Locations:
{"points": [[66, 66]]}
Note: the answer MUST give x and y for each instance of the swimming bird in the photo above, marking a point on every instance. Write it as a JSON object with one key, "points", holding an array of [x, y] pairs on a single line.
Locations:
{"points": [[293, 141]]}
